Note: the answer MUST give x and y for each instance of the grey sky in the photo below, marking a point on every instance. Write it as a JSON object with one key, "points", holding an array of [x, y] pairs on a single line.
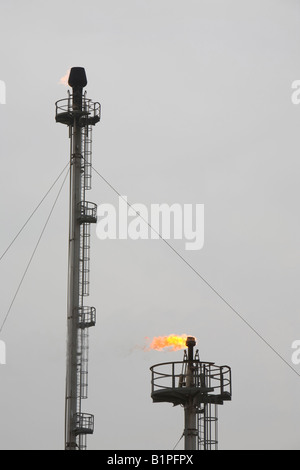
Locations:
{"points": [[196, 108]]}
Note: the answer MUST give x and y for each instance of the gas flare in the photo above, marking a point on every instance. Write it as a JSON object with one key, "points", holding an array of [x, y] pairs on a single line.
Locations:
{"points": [[65, 78], [168, 343]]}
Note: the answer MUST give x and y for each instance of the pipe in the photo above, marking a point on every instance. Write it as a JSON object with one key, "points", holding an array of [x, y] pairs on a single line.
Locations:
{"points": [[190, 415]]}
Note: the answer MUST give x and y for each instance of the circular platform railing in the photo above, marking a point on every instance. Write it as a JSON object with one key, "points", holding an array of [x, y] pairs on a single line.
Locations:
{"points": [[170, 382], [88, 212], [65, 112]]}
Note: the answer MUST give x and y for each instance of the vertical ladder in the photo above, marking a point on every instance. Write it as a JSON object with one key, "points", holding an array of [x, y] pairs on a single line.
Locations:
{"points": [[86, 315], [208, 427]]}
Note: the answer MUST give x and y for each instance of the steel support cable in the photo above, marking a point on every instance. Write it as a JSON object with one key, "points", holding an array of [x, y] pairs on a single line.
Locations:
{"points": [[178, 441], [33, 212], [33, 253], [202, 278]]}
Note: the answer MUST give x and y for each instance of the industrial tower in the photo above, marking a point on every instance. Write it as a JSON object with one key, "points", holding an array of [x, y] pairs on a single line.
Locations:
{"points": [[79, 113], [197, 386]]}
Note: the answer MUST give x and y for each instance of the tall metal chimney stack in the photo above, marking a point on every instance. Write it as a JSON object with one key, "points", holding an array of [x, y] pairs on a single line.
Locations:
{"points": [[199, 387], [79, 113]]}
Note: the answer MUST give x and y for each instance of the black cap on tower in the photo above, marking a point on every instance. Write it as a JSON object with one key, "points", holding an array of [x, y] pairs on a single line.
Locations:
{"points": [[77, 77], [77, 80]]}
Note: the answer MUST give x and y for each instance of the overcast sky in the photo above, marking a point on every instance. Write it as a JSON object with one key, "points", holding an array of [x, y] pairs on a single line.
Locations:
{"points": [[196, 108]]}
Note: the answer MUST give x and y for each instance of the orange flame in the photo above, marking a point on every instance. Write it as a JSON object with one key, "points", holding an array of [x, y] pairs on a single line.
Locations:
{"points": [[170, 343], [65, 78]]}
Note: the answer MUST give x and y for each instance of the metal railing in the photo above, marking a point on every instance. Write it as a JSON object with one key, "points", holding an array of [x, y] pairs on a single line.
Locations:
{"points": [[84, 423], [86, 316], [90, 109], [171, 375], [88, 212]]}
